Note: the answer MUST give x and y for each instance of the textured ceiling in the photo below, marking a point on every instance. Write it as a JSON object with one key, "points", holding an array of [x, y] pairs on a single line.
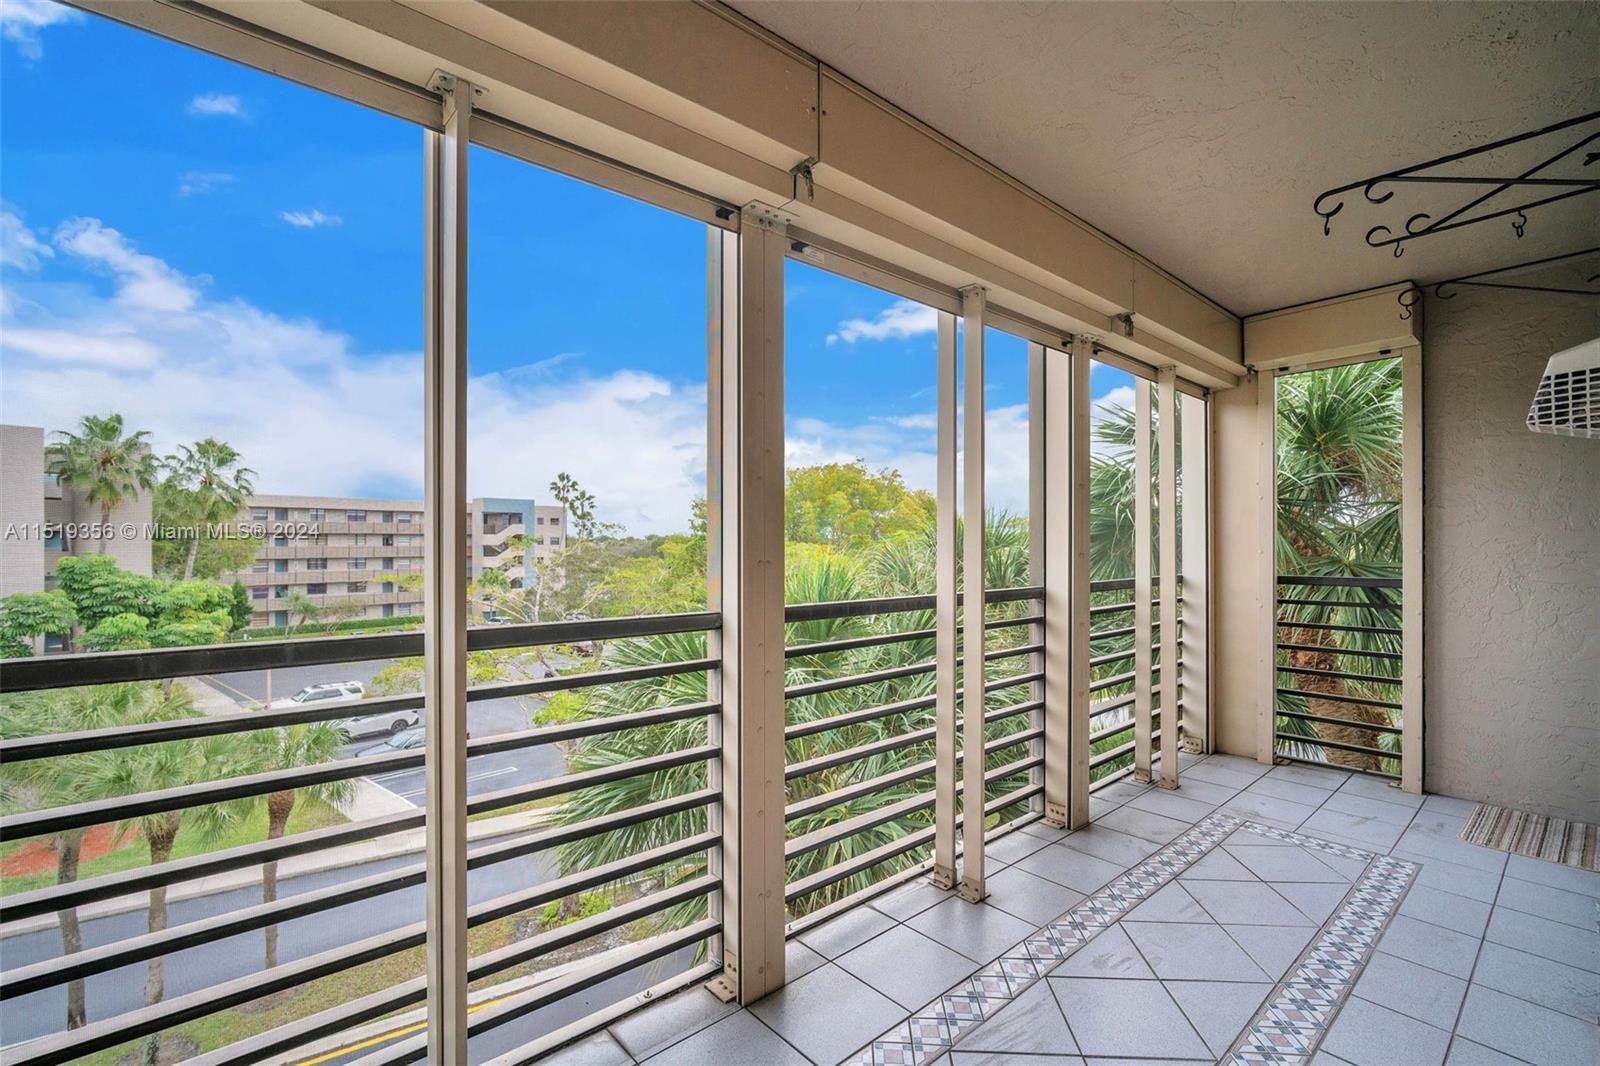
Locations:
{"points": [[1199, 134]]}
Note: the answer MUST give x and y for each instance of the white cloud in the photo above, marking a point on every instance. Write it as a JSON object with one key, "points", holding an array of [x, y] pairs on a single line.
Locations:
{"points": [[311, 414], [200, 182], [309, 219], [19, 247], [1121, 396], [905, 444], [901, 319], [143, 281], [22, 20], [211, 104]]}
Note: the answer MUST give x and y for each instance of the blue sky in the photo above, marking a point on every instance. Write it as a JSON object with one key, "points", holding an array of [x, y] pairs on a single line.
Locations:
{"points": [[214, 251]]}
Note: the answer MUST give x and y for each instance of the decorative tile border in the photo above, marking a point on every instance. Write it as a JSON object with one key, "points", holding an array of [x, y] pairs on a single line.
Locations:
{"points": [[1290, 1026], [934, 1029], [1286, 1031]]}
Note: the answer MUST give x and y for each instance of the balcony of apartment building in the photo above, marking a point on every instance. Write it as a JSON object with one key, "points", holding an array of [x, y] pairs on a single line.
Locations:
{"points": [[1262, 731]]}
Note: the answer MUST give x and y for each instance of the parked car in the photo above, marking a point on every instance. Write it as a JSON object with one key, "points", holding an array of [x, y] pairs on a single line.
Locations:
{"points": [[403, 740], [365, 725], [323, 693]]}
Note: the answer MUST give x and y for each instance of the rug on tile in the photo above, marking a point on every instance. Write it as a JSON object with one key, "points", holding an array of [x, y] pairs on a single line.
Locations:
{"points": [[1534, 835]]}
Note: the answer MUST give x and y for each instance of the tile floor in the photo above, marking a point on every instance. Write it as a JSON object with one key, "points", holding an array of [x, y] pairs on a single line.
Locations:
{"points": [[1490, 959]]}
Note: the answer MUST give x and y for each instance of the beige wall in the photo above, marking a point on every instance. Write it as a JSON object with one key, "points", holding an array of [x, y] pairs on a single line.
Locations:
{"points": [[1512, 547], [1235, 571]]}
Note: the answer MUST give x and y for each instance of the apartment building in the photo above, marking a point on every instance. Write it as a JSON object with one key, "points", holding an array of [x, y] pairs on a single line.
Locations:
{"points": [[362, 558], [42, 518]]}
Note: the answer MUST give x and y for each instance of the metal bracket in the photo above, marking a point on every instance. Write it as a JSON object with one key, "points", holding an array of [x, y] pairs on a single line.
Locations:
{"points": [[971, 893], [943, 877], [723, 987], [444, 83], [801, 172], [1055, 815], [756, 213]]}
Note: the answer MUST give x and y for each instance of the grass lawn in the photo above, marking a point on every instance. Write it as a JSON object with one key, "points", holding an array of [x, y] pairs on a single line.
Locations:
{"points": [[133, 853]]}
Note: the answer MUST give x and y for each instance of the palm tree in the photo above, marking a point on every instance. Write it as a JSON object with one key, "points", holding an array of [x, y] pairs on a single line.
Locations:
{"points": [[44, 783], [105, 464], [300, 610], [211, 487], [899, 566], [152, 767], [1339, 463], [284, 748]]}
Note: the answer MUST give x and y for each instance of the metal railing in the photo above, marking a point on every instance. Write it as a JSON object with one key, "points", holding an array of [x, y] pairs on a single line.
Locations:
{"points": [[662, 890], [1338, 660], [1111, 690], [861, 735]]}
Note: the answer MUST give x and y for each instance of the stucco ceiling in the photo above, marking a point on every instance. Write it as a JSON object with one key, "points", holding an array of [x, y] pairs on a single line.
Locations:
{"points": [[1199, 134]]}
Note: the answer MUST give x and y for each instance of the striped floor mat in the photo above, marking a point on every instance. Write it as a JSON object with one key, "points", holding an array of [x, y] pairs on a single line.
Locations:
{"points": [[1534, 835]]}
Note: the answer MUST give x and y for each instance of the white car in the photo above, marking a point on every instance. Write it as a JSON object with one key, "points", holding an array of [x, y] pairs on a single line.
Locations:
{"points": [[365, 725]]}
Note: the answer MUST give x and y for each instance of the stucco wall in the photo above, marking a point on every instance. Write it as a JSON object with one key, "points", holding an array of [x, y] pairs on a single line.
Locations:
{"points": [[1512, 549]]}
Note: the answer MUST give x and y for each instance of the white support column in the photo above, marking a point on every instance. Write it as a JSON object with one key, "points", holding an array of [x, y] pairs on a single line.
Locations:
{"points": [[1036, 506], [1061, 606], [1078, 506], [1411, 564], [722, 331], [1167, 549], [945, 611], [1141, 583], [1266, 565], [752, 623], [1196, 571], [444, 640], [973, 887]]}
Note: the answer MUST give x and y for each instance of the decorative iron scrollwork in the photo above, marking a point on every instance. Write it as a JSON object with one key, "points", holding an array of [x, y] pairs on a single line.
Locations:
{"points": [[1410, 296], [1582, 132]]}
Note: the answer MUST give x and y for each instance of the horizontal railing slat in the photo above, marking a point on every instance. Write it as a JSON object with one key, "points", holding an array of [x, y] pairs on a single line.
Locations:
{"points": [[155, 664]]}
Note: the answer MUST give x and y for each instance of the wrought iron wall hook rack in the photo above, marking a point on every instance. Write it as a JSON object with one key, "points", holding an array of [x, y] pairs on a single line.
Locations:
{"points": [[1410, 296], [1423, 224]]}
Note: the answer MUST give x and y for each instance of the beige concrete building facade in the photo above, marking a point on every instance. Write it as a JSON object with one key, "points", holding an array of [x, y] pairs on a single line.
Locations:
{"points": [[358, 557]]}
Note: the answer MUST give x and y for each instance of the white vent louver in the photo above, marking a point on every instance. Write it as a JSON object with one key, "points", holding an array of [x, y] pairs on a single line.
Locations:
{"points": [[1568, 400]]}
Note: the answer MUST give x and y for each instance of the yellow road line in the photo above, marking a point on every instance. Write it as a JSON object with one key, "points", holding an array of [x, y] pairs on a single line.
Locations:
{"points": [[214, 679], [394, 1033]]}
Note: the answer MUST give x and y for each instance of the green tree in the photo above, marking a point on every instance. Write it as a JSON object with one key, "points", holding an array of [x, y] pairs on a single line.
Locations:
{"points": [[850, 508], [27, 615], [240, 609], [99, 589], [206, 486], [1338, 470], [285, 748], [104, 463]]}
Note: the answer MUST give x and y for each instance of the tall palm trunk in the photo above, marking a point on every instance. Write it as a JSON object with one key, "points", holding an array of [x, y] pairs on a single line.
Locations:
{"points": [[69, 849], [1356, 714], [105, 524], [279, 807], [194, 550], [160, 833]]}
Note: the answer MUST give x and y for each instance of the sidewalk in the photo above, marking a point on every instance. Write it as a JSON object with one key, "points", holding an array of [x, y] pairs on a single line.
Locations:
{"points": [[410, 842]]}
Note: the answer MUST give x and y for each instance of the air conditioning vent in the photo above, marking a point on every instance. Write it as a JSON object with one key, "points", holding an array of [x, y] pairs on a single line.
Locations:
{"points": [[1568, 400]]}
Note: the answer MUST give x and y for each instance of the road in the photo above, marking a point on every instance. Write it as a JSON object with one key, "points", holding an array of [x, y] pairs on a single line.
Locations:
{"points": [[121, 990], [117, 991], [486, 773]]}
